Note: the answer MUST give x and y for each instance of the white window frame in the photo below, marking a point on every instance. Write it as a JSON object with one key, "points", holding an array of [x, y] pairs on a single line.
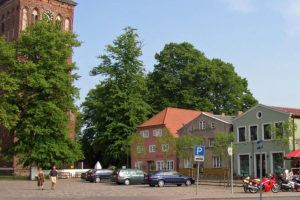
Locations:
{"points": [[202, 125], [157, 132], [187, 163], [152, 148], [263, 131], [272, 159], [165, 147], [250, 132], [209, 142], [239, 162], [266, 162], [168, 164], [145, 133], [139, 148], [159, 165], [238, 134], [219, 164], [138, 164]]}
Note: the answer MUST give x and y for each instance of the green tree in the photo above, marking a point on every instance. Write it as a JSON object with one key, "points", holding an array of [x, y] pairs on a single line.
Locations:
{"points": [[185, 146], [185, 78], [43, 94], [166, 144], [138, 147], [282, 133], [9, 85], [114, 109], [222, 142]]}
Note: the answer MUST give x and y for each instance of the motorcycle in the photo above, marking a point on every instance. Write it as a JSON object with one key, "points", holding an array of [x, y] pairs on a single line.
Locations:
{"points": [[288, 185], [247, 183], [267, 184]]}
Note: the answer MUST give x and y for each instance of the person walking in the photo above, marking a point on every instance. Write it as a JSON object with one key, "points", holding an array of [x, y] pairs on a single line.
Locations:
{"points": [[53, 177], [40, 179]]}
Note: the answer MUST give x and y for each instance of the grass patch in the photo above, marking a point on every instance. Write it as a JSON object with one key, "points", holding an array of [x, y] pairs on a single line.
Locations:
{"points": [[14, 177]]}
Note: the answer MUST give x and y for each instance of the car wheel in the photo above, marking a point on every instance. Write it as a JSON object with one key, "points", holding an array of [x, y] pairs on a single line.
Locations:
{"points": [[127, 182], [179, 184], [161, 183], [188, 183], [98, 180], [151, 185]]}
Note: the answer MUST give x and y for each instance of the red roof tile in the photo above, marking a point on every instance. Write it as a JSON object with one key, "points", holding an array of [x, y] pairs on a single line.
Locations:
{"points": [[172, 118], [294, 111]]}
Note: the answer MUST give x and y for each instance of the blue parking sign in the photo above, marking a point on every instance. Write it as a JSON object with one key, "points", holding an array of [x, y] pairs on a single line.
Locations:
{"points": [[199, 150]]}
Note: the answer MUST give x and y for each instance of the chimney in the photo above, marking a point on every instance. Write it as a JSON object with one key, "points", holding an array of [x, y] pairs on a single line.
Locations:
{"points": [[238, 113]]}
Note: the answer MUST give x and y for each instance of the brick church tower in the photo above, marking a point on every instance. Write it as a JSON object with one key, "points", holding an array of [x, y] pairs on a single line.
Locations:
{"points": [[17, 15]]}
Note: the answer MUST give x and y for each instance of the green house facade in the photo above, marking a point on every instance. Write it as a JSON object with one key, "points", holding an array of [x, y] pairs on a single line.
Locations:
{"points": [[254, 125]]}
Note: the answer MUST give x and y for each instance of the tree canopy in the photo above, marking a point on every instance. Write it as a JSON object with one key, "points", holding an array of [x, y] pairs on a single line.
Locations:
{"points": [[42, 94], [113, 110], [183, 77]]}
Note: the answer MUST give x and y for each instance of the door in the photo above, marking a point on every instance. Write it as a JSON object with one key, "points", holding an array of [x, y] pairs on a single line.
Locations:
{"points": [[150, 166], [257, 156]]}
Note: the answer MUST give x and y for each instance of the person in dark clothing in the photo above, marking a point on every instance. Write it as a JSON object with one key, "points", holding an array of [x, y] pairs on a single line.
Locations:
{"points": [[53, 177], [40, 179]]}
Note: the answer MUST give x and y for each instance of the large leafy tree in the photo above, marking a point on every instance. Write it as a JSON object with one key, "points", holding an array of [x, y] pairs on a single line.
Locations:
{"points": [[185, 78], [114, 109], [42, 94]]}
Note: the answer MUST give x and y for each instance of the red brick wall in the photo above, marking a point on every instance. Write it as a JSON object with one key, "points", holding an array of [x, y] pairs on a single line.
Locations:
{"points": [[11, 14], [153, 156]]}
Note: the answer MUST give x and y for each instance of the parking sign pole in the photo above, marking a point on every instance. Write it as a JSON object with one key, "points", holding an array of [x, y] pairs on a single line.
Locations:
{"points": [[231, 169], [198, 178]]}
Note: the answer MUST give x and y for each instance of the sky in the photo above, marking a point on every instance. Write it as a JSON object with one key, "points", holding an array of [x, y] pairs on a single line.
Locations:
{"points": [[261, 38]]}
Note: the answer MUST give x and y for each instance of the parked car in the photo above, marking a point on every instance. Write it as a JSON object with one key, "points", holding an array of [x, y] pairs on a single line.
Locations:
{"points": [[129, 176], [84, 174], [161, 178], [97, 175]]}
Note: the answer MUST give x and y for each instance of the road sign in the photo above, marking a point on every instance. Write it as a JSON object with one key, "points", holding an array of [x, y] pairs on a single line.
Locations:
{"points": [[259, 144], [229, 151], [199, 153]]}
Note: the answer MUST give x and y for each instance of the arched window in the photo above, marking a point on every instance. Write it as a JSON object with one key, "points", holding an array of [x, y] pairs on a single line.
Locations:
{"points": [[25, 19], [67, 25], [34, 16], [58, 18]]}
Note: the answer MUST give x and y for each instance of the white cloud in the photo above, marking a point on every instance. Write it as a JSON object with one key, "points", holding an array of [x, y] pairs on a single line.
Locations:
{"points": [[244, 6]]}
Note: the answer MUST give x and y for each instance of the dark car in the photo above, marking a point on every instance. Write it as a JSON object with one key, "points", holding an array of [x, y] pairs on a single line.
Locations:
{"points": [[97, 175], [129, 176], [84, 174], [161, 178]]}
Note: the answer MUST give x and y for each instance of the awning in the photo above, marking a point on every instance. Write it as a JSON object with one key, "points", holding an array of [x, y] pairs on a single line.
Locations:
{"points": [[295, 155]]}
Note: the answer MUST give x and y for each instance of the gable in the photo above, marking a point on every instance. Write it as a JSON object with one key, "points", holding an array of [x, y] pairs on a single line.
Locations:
{"points": [[261, 114]]}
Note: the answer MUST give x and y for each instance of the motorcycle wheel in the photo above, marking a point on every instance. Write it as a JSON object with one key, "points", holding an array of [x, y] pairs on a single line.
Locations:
{"points": [[275, 188], [245, 187], [252, 190]]}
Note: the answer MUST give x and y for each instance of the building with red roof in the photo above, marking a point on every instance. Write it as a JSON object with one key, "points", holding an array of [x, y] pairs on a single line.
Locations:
{"points": [[150, 156]]}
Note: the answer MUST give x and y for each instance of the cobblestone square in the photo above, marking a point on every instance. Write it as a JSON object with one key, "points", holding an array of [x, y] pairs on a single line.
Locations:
{"points": [[78, 189]]}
